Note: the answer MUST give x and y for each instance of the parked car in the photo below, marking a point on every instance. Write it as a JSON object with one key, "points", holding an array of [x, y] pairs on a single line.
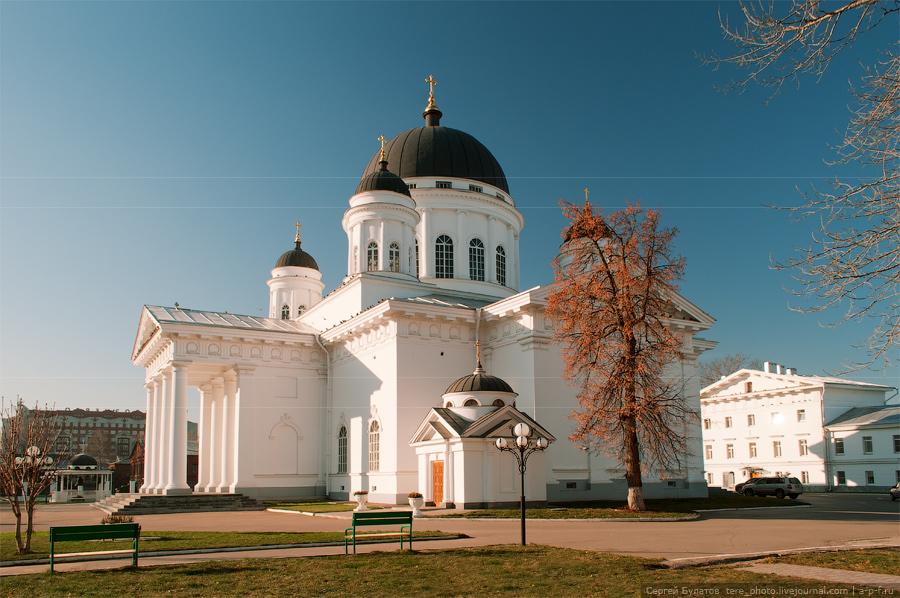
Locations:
{"points": [[895, 492], [778, 487], [739, 488]]}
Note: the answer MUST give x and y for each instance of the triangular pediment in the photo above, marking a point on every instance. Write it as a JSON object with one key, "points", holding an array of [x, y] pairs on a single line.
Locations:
{"points": [[442, 423], [147, 328]]}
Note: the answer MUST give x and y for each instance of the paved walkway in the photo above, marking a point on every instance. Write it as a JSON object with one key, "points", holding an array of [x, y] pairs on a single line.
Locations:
{"points": [[856, 578]]}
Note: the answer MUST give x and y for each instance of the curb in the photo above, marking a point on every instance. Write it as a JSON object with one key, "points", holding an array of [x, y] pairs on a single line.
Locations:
{"points": [[724, 559]]}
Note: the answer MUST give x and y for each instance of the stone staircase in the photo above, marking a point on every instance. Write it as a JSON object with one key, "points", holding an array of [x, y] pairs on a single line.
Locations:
{"points": [[154, 504]]}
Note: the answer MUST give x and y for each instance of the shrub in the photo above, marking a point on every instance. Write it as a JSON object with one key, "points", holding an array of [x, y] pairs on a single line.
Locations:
{"points": [[117, 519], [415, 495]]}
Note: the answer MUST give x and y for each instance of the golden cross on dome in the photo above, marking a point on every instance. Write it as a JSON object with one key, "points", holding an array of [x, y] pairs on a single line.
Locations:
{"points": [[431, 83], [478, 350], [381, 139], [298, 225], [586, 192]]}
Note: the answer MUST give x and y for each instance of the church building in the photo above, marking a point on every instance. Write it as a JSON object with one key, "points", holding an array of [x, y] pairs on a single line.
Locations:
{"points": [[379, 384]]}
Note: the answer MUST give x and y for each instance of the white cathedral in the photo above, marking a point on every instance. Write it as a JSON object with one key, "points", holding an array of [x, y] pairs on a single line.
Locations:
{"points": [[368, 388]]}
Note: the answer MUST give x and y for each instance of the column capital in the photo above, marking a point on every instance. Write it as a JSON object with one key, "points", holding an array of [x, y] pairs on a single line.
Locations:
{"points": [[180, 365], [218, 382]]}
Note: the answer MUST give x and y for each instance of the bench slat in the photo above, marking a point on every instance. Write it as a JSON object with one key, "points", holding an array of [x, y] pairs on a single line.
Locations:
{"points": [[76, 533], [402, 518]]}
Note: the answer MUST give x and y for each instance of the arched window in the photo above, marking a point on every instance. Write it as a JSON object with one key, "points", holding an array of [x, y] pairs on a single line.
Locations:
{"points": [[374, 447], [501, 265], [301, 309], [417, 259], [470, 403], [476, 259], [372, 256], [394, 257], [448, 405], [443, 257], [285, 312], [342, 450], [498, 403]]}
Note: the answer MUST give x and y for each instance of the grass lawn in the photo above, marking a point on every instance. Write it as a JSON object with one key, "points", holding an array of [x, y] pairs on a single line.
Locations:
{"points": [[880, 560], [40, 541], [602, 509], [496, 571]]}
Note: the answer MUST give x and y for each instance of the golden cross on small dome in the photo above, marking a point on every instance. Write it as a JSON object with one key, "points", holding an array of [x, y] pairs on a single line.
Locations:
{"points": [[586, 192], [381, 139], [298, 225], [478, 350], [431, 83]]}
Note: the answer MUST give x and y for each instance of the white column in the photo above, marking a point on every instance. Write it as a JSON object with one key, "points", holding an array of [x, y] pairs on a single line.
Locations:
{"points": [[407, 244], [515, 243], [177, 480], [461, 247], [490, 261], [150, 386], [426, 246], [203, 429], [163, 434], [217, 423], [228, 426], [244, 427], [382, 248]]}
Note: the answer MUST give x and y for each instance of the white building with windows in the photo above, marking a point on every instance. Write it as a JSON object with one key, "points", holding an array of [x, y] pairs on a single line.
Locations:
{"points": [[352, 390], [829, 432]]}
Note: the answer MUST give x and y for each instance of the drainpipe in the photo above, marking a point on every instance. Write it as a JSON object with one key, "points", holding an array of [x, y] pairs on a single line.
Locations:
{"points": [[827, 437], [328, 414]]}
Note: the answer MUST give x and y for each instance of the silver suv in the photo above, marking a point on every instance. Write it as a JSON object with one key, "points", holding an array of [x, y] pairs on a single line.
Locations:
{"points": [[778, 487]]}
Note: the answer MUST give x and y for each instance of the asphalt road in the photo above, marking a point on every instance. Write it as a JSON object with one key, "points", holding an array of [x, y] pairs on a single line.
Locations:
{"points": [[833, 520]]}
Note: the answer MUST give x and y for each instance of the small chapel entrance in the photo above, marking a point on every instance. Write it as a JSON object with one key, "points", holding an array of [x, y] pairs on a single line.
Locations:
{"points": [[437, 482]]}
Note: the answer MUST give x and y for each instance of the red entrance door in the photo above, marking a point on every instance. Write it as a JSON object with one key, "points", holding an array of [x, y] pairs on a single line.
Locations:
{"points": [[437, 482]]}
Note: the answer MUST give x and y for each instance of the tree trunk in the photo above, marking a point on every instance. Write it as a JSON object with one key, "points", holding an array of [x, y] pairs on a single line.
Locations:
{"points": [[633, 467]]}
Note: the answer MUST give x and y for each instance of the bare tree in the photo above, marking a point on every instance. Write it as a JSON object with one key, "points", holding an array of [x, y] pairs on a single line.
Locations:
{"points": [[27, 441], [853, 262], [712, 370], [611, 300], [101, 446]]}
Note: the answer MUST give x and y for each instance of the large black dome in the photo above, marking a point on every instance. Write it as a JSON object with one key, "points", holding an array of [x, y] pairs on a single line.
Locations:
{"points": [[440, 151], [297, 257]]}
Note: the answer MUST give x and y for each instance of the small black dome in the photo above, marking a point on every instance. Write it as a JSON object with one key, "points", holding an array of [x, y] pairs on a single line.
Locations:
{"points": [[434, 150], [297, 257], [82, 460], [479, 381], [383, 180]]}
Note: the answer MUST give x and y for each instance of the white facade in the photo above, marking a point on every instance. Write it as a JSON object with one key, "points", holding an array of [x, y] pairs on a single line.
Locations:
{"points": [[328, 395], [776, 422]]}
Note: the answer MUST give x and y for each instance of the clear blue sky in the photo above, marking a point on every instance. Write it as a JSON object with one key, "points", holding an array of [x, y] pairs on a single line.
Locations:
{"points": [[154, 152]]}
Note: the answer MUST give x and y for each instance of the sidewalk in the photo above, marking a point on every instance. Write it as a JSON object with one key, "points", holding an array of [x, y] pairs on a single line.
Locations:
{"points": [[886, 582]]}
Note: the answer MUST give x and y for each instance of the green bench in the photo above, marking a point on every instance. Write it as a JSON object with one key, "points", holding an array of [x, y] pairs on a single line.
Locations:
{"points": [[82, 533], [380, 518]]}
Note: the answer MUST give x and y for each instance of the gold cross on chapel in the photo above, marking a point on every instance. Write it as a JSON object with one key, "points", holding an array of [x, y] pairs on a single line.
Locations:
{"points": [[298, 225], [478, 350], [431, 83], [586, 192], [381, 139]]}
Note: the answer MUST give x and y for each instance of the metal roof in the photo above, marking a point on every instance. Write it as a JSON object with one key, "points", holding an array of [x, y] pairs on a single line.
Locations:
{"points": [[868, 416], [165, 315]]}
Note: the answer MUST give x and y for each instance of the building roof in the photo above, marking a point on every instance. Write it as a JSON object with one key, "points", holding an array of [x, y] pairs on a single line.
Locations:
{"points": [[479, 381], [788, 380], [297, 257], [860, 417], [434, 150], [212, 318], [383, 180]]}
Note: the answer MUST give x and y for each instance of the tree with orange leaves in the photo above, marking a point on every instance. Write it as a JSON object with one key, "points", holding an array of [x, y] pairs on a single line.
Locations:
{"points": [[611, 300]]}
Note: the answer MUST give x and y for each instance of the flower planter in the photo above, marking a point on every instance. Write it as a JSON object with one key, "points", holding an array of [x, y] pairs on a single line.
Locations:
{"points": [[417, 504], [361, 500]]}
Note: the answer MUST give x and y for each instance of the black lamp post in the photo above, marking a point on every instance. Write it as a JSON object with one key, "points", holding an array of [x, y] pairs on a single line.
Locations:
{"points": [[524, 447]]}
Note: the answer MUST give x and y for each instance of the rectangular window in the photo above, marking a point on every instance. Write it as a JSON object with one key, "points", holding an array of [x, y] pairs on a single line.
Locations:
{"points": [[776, 448], [443, 185], [123, 447], [838, 446], [841, 478], [897, 475], [751, 420], [801, 415], [776, 417], [709, 451], [804, 448], [867, 445], [804, 477], [709, 479], [476, 188], [870, 478], [411, 185], [707, 424], [748, 386], [897, 443], [752, 449], [727, 422], [729, 451]]}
